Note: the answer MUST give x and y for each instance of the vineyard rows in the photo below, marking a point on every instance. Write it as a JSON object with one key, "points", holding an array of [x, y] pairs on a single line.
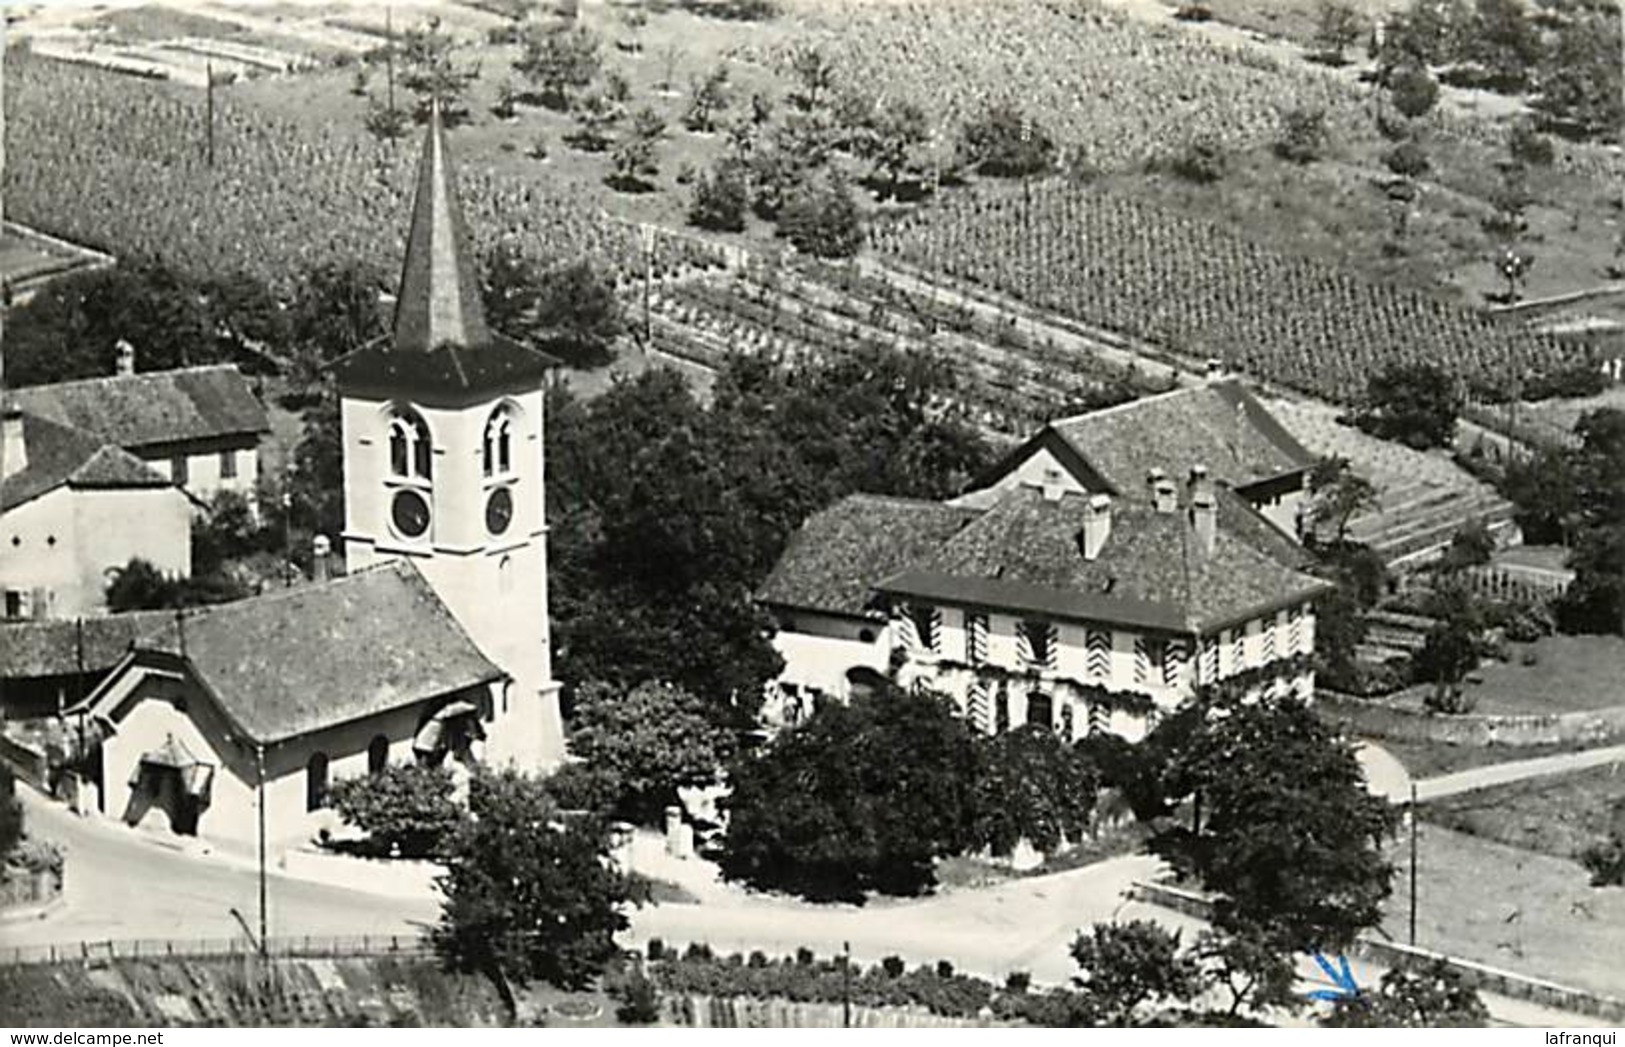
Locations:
{"points": [[1203, 292], [119, 165], [1008, 384]]}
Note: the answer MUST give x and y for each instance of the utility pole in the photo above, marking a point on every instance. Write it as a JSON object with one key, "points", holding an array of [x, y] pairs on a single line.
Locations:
{"points": [[389, 56], [648, 285], [846, 985], [4, 295], [208, 91], [259, 768], [1411, 817]]}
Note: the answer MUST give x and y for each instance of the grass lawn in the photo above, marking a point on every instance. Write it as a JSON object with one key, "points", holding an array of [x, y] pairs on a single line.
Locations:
{"points": [[1430, 760], [1551, 815], [1570, 674], [1511, 908]]}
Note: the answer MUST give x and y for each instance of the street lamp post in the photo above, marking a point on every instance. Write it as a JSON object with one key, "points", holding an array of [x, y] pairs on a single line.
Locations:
{"points": [[1411, 817], [259, 768]]}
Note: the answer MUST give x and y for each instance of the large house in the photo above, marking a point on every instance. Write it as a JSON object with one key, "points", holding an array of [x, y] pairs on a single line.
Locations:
{"points": [[199, 427], [73, 507], [436, 641], [1062, 593]]}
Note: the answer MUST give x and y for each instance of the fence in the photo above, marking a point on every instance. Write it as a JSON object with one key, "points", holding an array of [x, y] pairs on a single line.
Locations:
{"points": [[26, 762], [1381, 719], [308, 946]]}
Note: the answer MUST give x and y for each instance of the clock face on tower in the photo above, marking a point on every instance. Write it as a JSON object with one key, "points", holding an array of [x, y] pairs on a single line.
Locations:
{"points": [[499, 510], [409, 511]]}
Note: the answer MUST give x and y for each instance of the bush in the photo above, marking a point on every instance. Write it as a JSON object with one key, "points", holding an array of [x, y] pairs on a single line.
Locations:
{"points": [[1202, 160], [1018, 982], [639, 1000], [406, 810], [1194, 13], [1605, 862], [656, 949], [1007, 143], [1303, 135], [720, 199], [1408, 160], [893, 966], [822, 219]]}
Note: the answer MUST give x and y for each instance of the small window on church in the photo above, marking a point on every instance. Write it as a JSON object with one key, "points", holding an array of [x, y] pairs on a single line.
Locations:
{"points": [[316, 782], [497, 447], [409, 447]]}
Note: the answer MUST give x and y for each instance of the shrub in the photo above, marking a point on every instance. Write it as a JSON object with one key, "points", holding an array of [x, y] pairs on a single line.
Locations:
{"points": [[1202, 160], [822, 219], [656, 949], [893, 966], [720, 199], [639, 1000], [1194, 13], [1007, 143], [1408, 160], [405, 810], [1018, 982], [1605, 861], [1303, 135]]}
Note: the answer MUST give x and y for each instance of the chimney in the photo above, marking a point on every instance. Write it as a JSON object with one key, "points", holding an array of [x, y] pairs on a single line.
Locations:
{"points": [[1097, 526], [124, 362], [1052, 485], [1214, 370], [1204, 510], [11, 443], [320, 548]]}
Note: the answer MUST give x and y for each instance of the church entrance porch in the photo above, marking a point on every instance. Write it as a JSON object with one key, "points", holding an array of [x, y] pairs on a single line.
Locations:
{"points": [[169, 790]]}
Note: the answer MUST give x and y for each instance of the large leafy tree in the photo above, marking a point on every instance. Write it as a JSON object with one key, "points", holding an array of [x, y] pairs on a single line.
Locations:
{"points": [[11, 813], [1578, 86], [405, 810], [530, 892], [863, 796], [1033, 786], [1290, 840], [651, 741], [1414, 404]]}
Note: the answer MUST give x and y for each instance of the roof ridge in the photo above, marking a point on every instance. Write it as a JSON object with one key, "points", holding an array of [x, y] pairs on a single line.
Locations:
{"points": [[288, 592], [99, 379], [1126, 405]]}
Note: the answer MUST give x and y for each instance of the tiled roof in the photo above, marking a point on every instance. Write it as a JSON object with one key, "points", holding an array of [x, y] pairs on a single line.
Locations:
{"points": [[297, 661], [1022, 554], [1219, 424], [447, 376], [153, 407], [833, 562], [60, 454], [65, 647]]}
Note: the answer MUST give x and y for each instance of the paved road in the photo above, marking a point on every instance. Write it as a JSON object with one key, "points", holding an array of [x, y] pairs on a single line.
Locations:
{"points": [[1516, 771], [121, 884]]}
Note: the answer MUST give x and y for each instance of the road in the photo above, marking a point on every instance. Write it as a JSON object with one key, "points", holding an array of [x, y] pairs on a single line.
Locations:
{"points": [[123, 885], [1516, 771]]}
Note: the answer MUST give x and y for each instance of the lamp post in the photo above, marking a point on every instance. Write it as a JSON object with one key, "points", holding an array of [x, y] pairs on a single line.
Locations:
{"points": [[1410, 816], [259, 768]]}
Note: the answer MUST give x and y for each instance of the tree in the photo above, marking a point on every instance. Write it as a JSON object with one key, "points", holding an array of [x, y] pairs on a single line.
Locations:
{"points": [[429, 71], [1005, 142], [1302, 136], [315, 491], [578, 315], [634, 156], [225, 531], [1255, 971], [862, 796], [1578, 87], [1471, 546], [11, 814], [814, 73], [1432, 995], [139, 586], [1595, 601], [720, 198], [1414, 404], [559, 60], [1408, 160], [1202, 160], [1290, 841], [405, 810], [708, 96], [1033, 787], [894, 135], [1546, 491], [1337, 495], [385, 123], [530, 893], [1528, 148], [1337, 28], [595, 115], [822, 219], [1124, 967], [1504, 44], [655, 739], [1514, 265], [1454, 646], [1413, 90]]}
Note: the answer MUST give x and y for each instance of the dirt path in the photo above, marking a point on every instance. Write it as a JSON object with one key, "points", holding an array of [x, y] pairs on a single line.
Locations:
{"points": [[1516, 771]]}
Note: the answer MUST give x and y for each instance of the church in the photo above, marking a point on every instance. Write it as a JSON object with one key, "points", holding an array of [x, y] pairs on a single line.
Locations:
{"points": [[433, 646]]}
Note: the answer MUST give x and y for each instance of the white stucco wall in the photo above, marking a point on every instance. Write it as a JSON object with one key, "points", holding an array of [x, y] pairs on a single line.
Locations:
{"points": [[821, 649], [496, 586], [66, 541], [205, 471]]}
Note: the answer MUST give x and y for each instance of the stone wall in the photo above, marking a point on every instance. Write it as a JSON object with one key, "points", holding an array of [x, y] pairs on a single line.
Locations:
{"points": [[1376, 719], [744, 1012]]}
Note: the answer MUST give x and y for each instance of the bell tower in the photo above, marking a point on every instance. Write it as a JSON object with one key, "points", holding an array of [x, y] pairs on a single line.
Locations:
{"points": [[444, 462]]}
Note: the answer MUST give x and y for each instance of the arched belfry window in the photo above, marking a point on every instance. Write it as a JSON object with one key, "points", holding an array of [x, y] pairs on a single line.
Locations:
{"points": [[409, 446], [497, 448]]}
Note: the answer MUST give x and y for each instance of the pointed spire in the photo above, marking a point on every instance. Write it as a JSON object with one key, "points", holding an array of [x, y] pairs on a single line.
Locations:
{"points": [[439, 299]]}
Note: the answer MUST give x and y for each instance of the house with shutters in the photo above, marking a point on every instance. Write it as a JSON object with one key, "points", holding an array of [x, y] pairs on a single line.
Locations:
{"points": [[1038, 603]]}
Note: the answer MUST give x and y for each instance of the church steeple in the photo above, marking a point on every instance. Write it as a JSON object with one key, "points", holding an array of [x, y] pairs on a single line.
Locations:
{"points": [[439, 302]]}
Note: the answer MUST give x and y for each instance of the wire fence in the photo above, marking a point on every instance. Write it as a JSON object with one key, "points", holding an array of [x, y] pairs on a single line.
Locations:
{"points": [[310, 946]]}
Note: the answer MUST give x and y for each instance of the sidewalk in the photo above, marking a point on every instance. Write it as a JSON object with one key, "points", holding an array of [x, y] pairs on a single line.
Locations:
{"points": [[1516, 771]]}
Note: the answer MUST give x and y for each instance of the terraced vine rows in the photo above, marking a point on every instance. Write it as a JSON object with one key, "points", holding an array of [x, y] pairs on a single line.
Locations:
{"points": [[1008, 383], [1203, 292], [119, 164]]}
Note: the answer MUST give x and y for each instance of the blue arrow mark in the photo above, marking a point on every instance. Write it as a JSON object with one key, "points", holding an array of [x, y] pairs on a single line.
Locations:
{"points": [[1342, 979]]}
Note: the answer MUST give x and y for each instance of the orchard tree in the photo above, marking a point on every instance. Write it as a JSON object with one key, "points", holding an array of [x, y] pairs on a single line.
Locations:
{"points": [[429, 70], [1290, 841], [405, 810], [707, 98], [559, 61], [653, 740], [1123, 968], [1338, 27], [596, 115], [1413, 90], [1303, 135], [634, 157], [814, 74], [721, 198], [895, 134], [530, 892], [822, 219]]}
